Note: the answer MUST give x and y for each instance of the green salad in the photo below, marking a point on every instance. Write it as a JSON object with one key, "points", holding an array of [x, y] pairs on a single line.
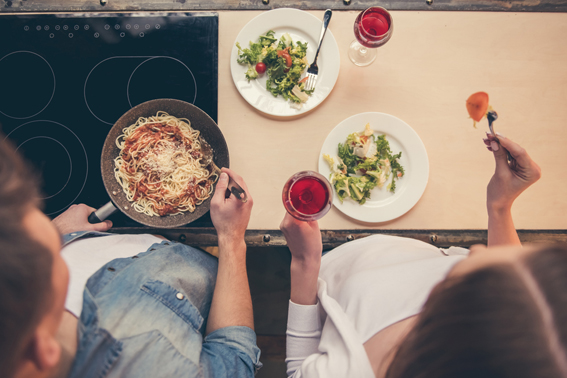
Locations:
{"points": [[284, 62], [364, 162]]}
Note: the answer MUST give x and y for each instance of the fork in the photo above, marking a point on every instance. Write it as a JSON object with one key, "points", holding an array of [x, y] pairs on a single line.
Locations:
{"points": [[233, 187], [493, 116], [313, 70]]}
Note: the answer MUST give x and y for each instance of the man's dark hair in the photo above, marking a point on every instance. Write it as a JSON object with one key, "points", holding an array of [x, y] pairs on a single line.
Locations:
{"points": [[507, 320], [25, 265]]}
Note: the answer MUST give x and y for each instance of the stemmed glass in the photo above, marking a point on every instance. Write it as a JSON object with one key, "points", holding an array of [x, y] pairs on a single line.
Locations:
{"points": [[307, 196], [372, 28]]}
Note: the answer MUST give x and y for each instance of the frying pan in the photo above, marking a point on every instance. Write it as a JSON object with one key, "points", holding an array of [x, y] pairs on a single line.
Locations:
{"points": [[180, 109]]}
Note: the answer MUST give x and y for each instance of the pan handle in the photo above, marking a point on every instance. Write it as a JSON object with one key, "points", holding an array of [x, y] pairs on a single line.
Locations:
{"points": [[101, 214]]}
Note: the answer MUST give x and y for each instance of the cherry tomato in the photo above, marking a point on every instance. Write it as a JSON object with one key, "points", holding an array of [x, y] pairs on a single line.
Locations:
{"points": [[260, 67]]}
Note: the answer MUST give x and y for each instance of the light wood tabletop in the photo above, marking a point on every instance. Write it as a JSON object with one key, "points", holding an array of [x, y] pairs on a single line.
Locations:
{"points": [[423, 76]]}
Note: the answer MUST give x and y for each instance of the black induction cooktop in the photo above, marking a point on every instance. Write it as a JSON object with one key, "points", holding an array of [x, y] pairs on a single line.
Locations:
{"points": [[66, 78]]}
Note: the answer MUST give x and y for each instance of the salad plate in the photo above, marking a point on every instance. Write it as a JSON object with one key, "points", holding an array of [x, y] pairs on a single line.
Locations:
{"points": [[382, 205], [302, 27]]}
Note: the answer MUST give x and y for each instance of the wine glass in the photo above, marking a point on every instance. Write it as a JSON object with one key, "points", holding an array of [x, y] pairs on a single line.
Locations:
{"points": [[372, 28], [307, 196]]}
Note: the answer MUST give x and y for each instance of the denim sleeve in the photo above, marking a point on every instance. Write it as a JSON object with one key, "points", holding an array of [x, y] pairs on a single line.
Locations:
{"points": [[230, 352]]}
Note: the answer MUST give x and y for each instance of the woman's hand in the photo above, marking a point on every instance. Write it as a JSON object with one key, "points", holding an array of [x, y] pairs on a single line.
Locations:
{"points": [[510, 179], [306, 246], [75, 218], [230, 215], [303, 238]]}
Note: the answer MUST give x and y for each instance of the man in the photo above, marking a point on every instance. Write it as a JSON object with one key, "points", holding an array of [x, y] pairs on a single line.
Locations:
{"points": [[167, 311]]}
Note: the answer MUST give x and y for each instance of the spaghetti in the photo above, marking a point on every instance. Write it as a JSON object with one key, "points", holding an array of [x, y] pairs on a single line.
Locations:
{"points": [[161, 167]]}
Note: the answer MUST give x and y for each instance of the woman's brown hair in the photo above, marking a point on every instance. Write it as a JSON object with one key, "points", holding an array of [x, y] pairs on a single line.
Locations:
{"points": [[507, 320]]}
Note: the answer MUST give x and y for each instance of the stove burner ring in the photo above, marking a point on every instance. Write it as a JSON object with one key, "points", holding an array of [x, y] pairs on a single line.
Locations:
{"points": [[160, 57], [25, 100], [129, 101], [68, 156], [86, 161]]}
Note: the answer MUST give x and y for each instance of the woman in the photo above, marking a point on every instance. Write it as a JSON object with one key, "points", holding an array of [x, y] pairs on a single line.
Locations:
{"points": [[384, 306]]}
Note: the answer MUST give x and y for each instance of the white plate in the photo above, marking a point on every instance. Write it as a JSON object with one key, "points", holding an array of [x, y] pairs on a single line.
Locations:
{"points": [[382, 205], [303, 27]]}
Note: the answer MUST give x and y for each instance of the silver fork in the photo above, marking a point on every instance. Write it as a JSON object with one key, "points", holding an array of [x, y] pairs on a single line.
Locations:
{"points": [[493, 116], [313, 70]]}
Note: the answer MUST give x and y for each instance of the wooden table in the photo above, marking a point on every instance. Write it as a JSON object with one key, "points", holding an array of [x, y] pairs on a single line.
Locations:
{"points": [[423, 76]]}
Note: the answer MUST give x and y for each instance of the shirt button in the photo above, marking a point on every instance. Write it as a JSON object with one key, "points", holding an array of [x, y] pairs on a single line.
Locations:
{"points": [[73, 234], [179, 296]]}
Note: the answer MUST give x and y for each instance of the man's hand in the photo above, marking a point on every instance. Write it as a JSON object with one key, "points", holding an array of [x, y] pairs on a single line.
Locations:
{"points": [[230, 215], [510, 179], [232, 304], [75, 218]]}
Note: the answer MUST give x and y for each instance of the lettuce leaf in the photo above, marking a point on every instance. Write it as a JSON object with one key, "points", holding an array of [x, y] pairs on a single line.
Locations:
{"points": [[268, 38], [251, 74]]}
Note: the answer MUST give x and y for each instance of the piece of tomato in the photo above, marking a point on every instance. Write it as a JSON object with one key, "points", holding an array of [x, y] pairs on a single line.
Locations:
{"points": [[260, 67], [303, 80], [287, 59], [477, 105], [286, 56]]}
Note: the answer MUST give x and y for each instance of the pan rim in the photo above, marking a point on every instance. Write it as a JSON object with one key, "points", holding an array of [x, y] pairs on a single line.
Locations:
{"points": [[199, 120]]}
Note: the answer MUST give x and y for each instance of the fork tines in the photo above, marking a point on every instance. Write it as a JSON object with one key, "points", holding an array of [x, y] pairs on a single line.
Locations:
{"points": [[311, 77]]}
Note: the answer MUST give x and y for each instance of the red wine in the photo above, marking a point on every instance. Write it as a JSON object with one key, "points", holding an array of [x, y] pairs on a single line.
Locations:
{"points": [[372, 27], [375, 24], [309, 195]]}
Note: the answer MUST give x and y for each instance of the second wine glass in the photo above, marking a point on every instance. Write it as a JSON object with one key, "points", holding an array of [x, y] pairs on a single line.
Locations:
{"points": [[372, 28], [307, 196]]}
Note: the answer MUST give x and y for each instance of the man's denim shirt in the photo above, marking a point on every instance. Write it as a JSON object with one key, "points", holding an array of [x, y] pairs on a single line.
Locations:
{"points": [[146, 316]]}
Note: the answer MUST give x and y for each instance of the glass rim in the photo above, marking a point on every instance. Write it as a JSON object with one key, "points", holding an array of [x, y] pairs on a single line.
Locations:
{"points": [[301, 175], [389, 23]]}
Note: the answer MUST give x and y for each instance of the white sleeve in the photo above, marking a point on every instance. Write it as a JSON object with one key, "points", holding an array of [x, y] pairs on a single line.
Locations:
{"points": [[303, 335]]}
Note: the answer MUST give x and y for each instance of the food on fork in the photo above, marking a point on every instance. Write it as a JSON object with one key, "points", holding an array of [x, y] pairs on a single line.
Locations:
{"points": [[364, 161], [284, 61], [477, 106], [161, 167]]}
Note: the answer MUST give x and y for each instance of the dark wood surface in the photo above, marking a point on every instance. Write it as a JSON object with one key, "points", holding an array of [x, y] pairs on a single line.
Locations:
{"points": [[206, 236], [182, 5], [268, 276]]}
